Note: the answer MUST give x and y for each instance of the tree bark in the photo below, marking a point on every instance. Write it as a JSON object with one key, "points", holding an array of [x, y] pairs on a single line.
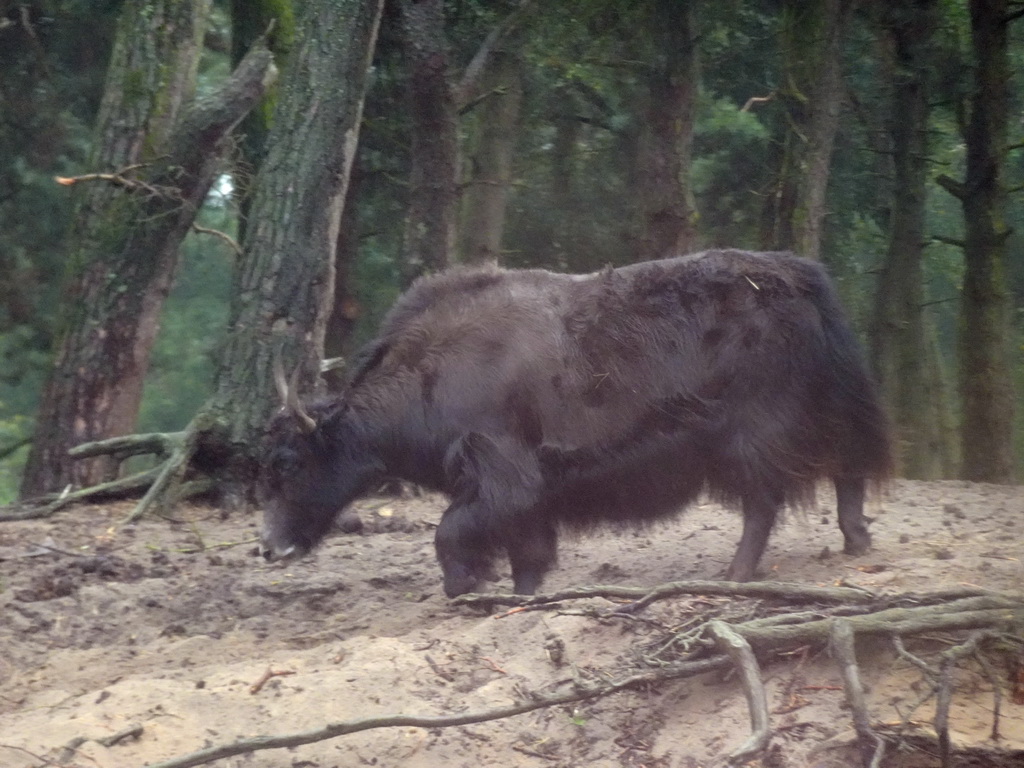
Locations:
{"points": [[667, 215], [811, 35], [986, 380], [430, 226], [900, 347], [486, 196], [283, 288], [250, 20], [123, 251]]}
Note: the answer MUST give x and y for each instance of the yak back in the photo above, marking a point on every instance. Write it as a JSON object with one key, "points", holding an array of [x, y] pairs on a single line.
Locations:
{"points": [[630, 390]]}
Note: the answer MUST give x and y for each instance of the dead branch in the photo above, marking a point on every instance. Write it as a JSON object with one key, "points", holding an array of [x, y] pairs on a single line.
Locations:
{"points": [[998, 611], [333, 730], [753, 100], [224, 236], [129, 732], [48, 505], [766, 590], [742, 656], [871, 745], [120, 448]]}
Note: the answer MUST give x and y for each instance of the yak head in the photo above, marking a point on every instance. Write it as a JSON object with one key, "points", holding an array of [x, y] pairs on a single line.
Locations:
{"points": [[314, 462]]}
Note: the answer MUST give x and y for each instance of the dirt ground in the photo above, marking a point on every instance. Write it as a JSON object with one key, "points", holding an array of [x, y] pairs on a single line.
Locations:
{"points": [[168, 625]]}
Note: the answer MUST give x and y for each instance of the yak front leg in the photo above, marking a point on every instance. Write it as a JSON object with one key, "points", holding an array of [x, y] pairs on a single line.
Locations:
{"points": [[759, 513]]}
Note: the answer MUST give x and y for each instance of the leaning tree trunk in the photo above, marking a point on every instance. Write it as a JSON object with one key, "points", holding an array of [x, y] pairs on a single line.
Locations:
{"points": [[812, 93], [901, 350], [283, 289], [666, 212], [160, 157], [986, 378]]}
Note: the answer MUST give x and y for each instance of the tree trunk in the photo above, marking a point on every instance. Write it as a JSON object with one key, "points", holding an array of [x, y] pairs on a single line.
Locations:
{"points": [[900, 347], [812, 93], [666, 212], [123, 251], [986, 380], [250, 19], [431, 220], [283, 289], [490, 162]]}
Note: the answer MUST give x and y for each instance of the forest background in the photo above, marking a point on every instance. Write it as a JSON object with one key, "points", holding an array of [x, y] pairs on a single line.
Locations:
{"points": [[882, 137]]}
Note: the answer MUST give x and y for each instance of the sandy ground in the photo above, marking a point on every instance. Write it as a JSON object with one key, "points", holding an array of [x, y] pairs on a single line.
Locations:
{"points": [[168, 624]]}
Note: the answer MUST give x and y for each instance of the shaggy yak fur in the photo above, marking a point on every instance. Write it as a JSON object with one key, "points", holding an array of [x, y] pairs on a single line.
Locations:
{"points": [[538, 401]]}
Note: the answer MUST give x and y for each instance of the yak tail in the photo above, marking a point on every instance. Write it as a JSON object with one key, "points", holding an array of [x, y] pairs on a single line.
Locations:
{"points": [[860, 423]]}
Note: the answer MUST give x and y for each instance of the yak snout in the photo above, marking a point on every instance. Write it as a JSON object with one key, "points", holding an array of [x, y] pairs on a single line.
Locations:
{"points": [[271, 555]]}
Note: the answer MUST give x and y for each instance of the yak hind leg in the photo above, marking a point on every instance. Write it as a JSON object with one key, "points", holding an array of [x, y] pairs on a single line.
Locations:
{"points": [[532, 551], [759, 513], [853, 524]]}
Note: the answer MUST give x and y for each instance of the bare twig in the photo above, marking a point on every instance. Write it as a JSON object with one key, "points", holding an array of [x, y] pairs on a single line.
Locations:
{"points": [[231, 242], [753, 100], [266, 677], [129, 732], [333, 730]]}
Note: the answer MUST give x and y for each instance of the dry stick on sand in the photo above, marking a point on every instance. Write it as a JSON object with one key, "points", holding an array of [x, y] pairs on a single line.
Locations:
{"points": [[333, 730], [986, 610]]}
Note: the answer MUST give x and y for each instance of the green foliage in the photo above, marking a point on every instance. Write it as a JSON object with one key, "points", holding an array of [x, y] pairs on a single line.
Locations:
{"points": [[192, 326]]}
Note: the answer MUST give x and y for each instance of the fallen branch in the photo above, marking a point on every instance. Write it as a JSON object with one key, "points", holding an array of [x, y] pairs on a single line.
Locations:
{"points": [[766, 590], [48, 505], [129, 732], [989, 611], [333, 730]]}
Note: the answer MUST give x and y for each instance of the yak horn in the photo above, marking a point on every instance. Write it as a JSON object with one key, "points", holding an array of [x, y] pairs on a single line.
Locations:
{"points": [[288, 392]]}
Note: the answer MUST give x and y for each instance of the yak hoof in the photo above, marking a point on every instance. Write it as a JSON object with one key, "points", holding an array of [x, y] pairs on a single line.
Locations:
{"points": [[857, 545]]}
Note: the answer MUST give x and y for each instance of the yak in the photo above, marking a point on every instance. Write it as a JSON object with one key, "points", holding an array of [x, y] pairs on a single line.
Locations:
{"points": [[539, 401]]}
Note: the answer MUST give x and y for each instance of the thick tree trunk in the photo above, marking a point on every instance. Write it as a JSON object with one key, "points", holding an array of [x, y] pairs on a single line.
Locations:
{"points": [[811, 35], [430, 226], [900, 348], [490, 161], [986, 380], [666, 212], [123, 252], [283, 290]]}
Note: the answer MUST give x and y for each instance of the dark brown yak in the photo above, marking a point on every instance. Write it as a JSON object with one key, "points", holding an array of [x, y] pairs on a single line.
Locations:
{"points": [[537, 400]]}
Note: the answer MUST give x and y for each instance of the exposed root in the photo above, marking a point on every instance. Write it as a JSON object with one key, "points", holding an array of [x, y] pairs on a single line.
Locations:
{"points": [[872, 747], [742, 656]]}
